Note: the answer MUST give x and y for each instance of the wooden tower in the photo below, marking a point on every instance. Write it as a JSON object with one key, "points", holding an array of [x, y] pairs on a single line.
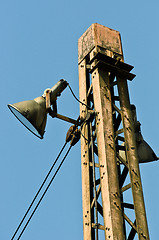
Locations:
{"points": [[109, 127]]}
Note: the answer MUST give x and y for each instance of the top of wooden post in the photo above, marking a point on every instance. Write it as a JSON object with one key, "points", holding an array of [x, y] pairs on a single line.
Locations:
{"points": [[108, 40]]}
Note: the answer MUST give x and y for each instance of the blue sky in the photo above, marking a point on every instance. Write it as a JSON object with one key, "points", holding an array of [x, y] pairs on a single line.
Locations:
{"points": [[38, 46]]}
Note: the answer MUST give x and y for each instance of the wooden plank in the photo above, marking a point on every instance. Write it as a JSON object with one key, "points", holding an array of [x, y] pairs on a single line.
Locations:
{"points": [[114, 69], [113, 61]]}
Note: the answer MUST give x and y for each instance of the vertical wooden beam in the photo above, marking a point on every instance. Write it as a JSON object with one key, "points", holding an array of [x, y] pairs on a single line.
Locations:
{"points": [[86, 188], [132, 157], [112, 213]]}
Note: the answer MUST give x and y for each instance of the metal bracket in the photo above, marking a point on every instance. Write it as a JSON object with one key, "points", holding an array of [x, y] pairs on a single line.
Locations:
{"points": [[64, 118], [53, 113]]}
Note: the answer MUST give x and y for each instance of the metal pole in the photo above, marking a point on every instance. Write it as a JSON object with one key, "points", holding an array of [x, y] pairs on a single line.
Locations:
{"points": [[94, 178]]}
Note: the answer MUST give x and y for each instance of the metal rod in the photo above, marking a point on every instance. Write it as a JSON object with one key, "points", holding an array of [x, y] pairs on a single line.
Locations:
{"points": [[94, 184], [67, 119], [132, 233], [130, 222], [128, 186], [98, 192]]}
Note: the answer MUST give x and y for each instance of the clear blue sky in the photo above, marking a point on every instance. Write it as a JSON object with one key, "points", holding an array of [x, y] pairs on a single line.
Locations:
{"points": [[38, 46]]}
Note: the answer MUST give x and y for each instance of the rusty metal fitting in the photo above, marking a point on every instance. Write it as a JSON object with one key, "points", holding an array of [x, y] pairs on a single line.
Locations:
{"points": [[90, 116], [73, 135], [76, 137], [70, 133], [47, 97]]}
